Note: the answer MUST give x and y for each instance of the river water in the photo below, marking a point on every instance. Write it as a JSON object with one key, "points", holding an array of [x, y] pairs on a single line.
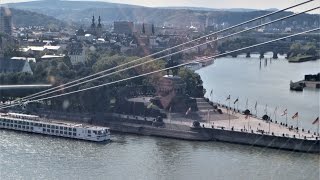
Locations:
{"points": [[30, 156], [268, 85]]}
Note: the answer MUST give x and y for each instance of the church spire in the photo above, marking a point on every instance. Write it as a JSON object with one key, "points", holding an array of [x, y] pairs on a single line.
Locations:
{"points": [[93, 22], [99, 22]]}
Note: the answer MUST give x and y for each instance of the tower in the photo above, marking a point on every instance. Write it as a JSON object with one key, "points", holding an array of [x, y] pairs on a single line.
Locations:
{"points": [[93, 24], [99, 22], [99, 28], [143, 29], [152, 29], [5, 21]]}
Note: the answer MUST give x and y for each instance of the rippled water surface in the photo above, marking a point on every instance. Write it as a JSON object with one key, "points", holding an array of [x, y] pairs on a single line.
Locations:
{"points": [[29, 156]]}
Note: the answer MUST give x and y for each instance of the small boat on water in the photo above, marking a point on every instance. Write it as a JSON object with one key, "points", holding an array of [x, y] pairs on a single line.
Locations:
{"points": [[297, 86], [34, 124]]}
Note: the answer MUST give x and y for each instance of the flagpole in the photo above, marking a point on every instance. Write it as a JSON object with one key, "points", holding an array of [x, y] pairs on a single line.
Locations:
{"points": [[318, 127], [209, 117], [247, 104], [297, 123], [275, 113], [287, 119], [229, 113], [266, 109], [234, 108], [269, 125], [248, 122], [256, 108], [237, 106]]}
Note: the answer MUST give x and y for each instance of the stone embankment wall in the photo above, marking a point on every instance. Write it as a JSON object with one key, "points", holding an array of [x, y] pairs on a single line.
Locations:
{"points": [[262, 140]]}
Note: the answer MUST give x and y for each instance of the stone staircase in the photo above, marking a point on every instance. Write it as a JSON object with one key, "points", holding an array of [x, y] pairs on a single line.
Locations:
{"points": [[203, 105]]}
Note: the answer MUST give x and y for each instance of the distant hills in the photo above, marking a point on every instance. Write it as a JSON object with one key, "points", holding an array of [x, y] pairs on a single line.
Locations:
{"points": [[81, 12], [213, 9], [23, 18]]}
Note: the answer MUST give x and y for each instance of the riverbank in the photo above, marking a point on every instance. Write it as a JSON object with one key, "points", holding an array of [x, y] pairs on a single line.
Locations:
{"points": [[278, 136], [236, 129]]}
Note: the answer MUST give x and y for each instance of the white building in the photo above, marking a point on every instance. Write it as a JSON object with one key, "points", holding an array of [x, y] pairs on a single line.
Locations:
{"points": [[51, 57], [25, 59]]}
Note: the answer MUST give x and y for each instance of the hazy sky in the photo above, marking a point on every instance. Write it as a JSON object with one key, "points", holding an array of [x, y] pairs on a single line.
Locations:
{"points": [[253, 4]]}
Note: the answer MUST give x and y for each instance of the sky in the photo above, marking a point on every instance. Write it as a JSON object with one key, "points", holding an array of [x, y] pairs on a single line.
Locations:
{"points": [[251, 4]]}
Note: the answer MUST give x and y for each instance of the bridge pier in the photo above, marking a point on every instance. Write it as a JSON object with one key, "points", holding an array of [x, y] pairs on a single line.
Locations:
{"points": [[275, 55], [261, 55]]}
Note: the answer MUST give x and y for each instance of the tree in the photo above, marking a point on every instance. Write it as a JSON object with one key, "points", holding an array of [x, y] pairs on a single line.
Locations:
{"points": [[295, 49], [11, 51], [310, 49], [92, 58], [194, 84]]}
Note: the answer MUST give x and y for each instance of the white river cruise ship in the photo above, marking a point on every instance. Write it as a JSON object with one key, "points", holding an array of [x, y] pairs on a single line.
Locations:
{"points": [[34, 124]]}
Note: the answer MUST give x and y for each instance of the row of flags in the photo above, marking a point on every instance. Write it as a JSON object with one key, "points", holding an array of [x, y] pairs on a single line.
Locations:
{"points": [[285, 112], [229, 97]]}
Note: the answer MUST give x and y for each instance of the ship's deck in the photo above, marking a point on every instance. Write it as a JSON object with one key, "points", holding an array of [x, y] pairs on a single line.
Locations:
{"points": [[53, 122]]}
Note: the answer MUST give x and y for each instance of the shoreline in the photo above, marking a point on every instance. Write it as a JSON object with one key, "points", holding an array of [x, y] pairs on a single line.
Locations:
{"points": [[290, 140], [214, 130]]}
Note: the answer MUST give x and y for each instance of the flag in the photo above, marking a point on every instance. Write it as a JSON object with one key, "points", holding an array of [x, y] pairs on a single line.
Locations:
{"points": [[295, 115], [255, 106], [316, 121], [228, 98], [236, 101], [188, 111], [284, 112]]}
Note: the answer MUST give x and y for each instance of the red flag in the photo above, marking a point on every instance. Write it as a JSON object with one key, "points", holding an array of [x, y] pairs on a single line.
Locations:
{"points": [[316, 121], [295, 115]]}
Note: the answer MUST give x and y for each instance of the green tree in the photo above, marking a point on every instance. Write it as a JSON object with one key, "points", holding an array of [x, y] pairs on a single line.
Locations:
{"points": [[194, 84]]}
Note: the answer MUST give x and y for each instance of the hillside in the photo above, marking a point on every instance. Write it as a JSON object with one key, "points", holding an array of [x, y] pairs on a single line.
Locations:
{"points": [[23, 18], [81, 11]]}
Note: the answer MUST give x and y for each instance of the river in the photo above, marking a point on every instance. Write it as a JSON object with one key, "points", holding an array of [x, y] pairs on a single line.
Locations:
{"points": [[268, 85], [30, 156]]}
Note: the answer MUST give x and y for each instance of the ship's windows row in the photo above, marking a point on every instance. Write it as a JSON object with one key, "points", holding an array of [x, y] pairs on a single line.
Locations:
{"points": [[23, 123], [59, 132], [16, 126]]}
